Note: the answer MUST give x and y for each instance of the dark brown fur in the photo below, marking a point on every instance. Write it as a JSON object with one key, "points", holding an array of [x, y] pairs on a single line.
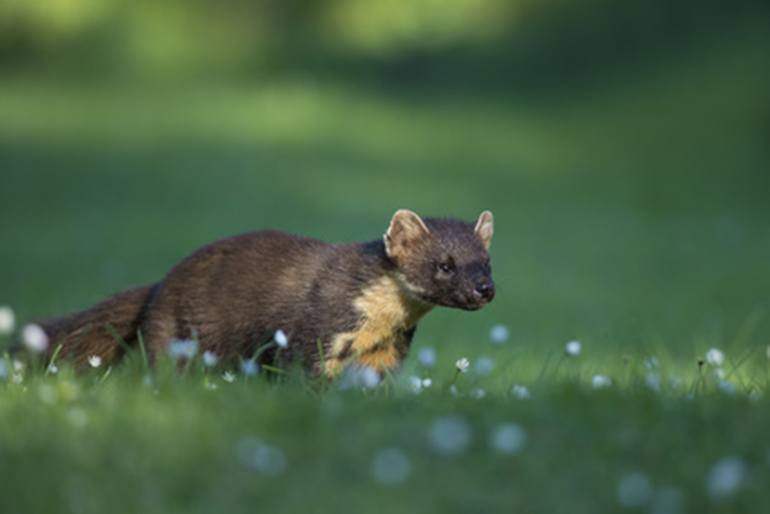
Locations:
{"points": [[361, 302]]}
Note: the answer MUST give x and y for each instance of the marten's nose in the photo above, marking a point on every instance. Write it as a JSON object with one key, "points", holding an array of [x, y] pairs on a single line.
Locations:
{"points": [[485, 290]]}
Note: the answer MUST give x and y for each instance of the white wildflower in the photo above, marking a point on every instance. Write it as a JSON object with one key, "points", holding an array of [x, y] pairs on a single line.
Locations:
{"points": [[391, 467], [94, 361], [450, 435], [52, 369], [182, 349], [17, 378], [499, 334], [18, 366], [462, 365], [725, 477], [651, 362], [249, 367], [478, 393], [281, 339], [484, 365], [34, 338], [370, 378], [415, 384], [508, 438], [634, 490], [210, 359], [359, 377], [726, 387], [652, 381], [600, 381], [521, 392], [228, 376], [572, 348], [715, 357], [7, 320], [427, 356], [261, 457]]}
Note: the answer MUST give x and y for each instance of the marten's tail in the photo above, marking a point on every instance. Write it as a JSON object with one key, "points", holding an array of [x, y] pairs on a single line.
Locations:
{"points": [[102, 330]]}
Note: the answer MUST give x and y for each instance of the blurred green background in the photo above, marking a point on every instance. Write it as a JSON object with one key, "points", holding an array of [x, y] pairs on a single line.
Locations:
{"points": [[623, 147]]}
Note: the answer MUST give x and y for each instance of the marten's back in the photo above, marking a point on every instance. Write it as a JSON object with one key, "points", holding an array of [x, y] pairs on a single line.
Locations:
{"points": [[233, 294]]}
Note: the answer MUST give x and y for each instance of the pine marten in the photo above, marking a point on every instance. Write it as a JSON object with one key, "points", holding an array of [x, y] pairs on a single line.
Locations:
{"points": [[337, 303]]}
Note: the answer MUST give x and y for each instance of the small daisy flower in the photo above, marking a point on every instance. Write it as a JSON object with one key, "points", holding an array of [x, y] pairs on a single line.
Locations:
{"points": [[94, 361], [360, 377], [572, 348], [427, 356], [478, 393], [391, 467], [462, 365], [210, 359], [600, 381], [7, 320], [521, 392], [261, 457], [634, 490], [450, 435], [726, 477], [499, 334], [228, 377], [183, 349], [52, 369], [415, 384], [281, 339], [508, 438], [34, 338], [715, 357], [426, 382], [652, 381], [726, 387], [484, 365], [249, 368], [651, 363]]}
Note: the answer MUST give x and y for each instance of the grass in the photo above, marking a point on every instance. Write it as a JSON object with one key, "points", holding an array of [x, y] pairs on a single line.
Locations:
{"points": [[632, 217], [175, 445]]}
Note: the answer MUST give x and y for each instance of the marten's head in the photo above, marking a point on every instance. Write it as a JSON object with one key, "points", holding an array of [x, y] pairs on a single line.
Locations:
{"points": [[443, 261]]}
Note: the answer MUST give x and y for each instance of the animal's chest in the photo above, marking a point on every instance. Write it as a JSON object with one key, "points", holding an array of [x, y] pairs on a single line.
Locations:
{"points": [[388, 317]]}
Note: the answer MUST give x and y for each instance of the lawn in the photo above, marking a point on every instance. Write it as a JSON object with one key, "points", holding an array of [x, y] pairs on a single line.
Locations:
{"points": [[631, 216]]}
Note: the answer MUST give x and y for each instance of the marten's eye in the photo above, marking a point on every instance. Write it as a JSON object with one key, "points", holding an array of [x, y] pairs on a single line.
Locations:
{"points": [[446, 267]]}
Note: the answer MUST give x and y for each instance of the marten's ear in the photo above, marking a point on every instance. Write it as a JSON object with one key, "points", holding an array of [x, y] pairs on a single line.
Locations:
{"points": [[485, 228], [405, 229]]}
